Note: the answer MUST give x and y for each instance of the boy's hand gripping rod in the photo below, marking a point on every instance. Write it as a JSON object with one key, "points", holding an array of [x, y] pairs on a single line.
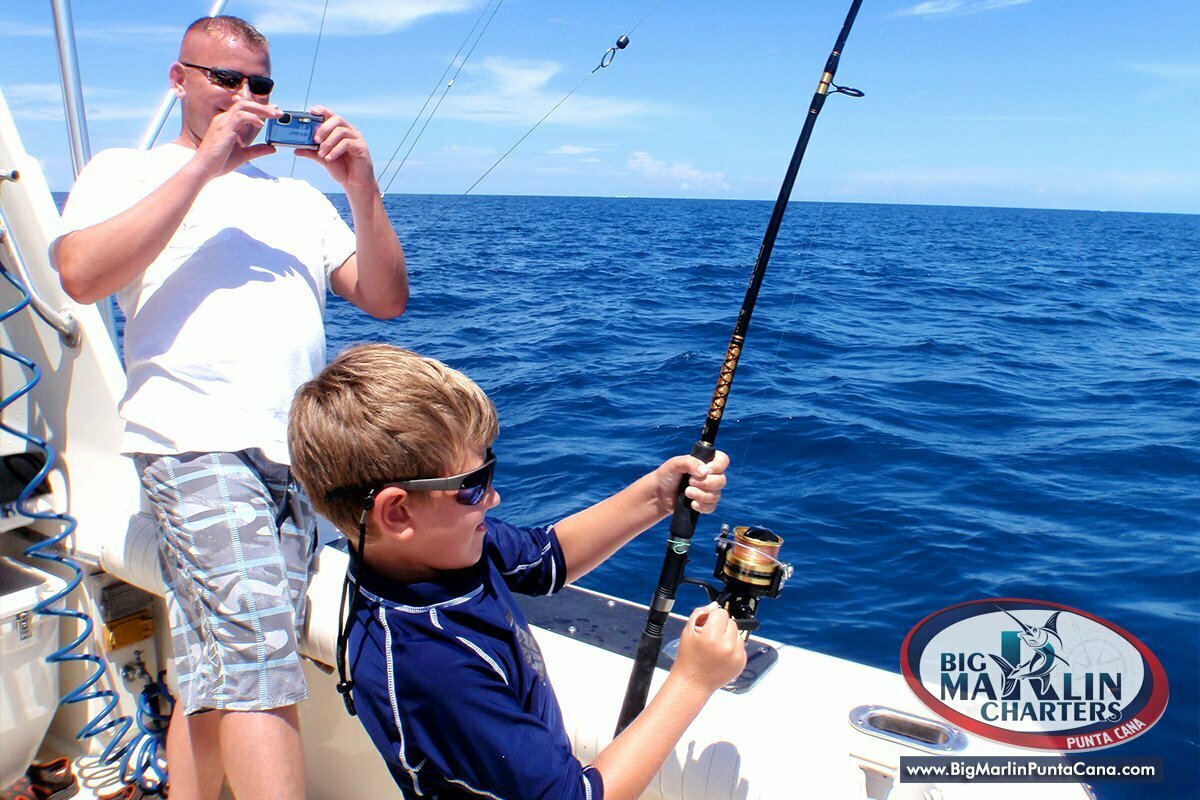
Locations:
{"points": [[683, 521]]}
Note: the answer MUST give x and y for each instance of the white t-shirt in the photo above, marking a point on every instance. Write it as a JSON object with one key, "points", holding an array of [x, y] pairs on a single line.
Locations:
{"points": [[227, 322]]}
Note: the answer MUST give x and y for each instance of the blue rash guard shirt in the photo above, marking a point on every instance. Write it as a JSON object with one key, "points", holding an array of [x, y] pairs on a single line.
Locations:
{"points": [[451, 686]]}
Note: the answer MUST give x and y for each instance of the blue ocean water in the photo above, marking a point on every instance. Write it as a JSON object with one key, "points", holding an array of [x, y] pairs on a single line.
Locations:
{"points": [[935, 404]]}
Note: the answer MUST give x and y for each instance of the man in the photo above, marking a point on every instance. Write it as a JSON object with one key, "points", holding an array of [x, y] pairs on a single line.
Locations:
{"points": [[221, 271]]}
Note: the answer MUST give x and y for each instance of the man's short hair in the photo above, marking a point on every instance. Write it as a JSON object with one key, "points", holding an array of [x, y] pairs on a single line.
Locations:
{"points": [[377, 413], [227, 27]]}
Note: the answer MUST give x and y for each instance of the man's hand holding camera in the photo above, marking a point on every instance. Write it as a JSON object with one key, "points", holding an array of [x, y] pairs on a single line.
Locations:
{"points": [[227, 143], [342, 150]]}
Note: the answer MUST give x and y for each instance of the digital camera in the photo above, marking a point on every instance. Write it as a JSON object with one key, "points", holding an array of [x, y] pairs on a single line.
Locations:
{"points": [[294, 129]]}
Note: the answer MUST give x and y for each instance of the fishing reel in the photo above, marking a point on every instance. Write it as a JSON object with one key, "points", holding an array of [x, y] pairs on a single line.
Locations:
{"points": [[749, 569]]}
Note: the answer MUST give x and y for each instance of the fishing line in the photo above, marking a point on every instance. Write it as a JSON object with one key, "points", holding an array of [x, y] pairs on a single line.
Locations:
{"points": [[643, 19], [434, 91], [806, 267], [311, 72], [316, 51], [606, 59], [518, 142], [803, 253]]}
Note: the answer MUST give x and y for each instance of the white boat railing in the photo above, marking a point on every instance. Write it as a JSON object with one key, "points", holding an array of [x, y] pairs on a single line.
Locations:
{"points": [[168, 101], [72, 86], [62, 321]]}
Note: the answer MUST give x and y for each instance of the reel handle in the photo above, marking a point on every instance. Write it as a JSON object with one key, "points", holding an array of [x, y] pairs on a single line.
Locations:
{"points": [[737, 610]]}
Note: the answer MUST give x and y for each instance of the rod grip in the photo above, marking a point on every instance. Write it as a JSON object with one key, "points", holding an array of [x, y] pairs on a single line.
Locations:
{"points": [[683, 526], [684, 517], [638, 690]]}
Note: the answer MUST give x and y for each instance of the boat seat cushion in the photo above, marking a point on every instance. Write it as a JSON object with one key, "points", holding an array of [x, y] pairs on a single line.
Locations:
{"points": [[134, 559]]}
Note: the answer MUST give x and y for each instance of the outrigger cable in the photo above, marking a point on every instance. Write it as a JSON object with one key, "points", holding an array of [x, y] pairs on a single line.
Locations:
{"points": [[432, 92], [683, 520], [312, 71], [606, 59]]}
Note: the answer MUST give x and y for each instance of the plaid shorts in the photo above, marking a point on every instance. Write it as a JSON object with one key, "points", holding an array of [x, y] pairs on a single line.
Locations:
{"points": [[237, 545]]}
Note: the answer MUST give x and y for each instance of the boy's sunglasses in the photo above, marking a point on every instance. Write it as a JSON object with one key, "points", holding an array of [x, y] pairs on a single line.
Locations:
{"points": [[470, 487], [232, 79]]}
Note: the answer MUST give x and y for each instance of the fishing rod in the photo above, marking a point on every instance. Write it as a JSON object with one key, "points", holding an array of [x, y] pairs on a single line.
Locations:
{"points": [[747, 564]]}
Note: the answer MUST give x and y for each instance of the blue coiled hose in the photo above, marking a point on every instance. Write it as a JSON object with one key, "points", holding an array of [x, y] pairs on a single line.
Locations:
{"points": [[138, 757]]}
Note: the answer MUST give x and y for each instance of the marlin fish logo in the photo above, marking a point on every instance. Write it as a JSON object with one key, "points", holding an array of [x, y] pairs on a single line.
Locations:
{"points": [[1041, 663]]}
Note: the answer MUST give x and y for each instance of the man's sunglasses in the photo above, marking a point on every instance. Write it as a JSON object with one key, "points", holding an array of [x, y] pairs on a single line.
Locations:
{"points": [[470, 487], [232, 79]]}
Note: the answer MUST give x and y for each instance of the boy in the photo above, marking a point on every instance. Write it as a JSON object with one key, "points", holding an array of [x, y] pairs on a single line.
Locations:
{"points": [[447, 679]]}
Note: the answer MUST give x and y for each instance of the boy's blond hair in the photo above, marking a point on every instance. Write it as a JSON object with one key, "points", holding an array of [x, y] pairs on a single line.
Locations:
{"points": [[378, 413]]}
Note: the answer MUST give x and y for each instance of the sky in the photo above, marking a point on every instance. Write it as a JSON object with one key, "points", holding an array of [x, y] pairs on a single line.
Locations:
{"points": [[1071, 104]]}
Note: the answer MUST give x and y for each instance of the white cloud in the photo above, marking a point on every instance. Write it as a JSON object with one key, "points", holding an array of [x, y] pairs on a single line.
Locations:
{"points": [[350, 17], [514, 92], [25, 29], [572, 150], [934, 8], [114, 33], [1185, 73], [32, 94], [273, 17], [513, 76], [125, 34], [676, 174], [43, 101], [517, 91], [931, 7], [1010, 118], [1028, 187], [461, 150]]}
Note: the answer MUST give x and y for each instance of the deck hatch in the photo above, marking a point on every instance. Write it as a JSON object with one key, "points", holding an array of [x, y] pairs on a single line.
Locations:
{"points": [[909, 729]]}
